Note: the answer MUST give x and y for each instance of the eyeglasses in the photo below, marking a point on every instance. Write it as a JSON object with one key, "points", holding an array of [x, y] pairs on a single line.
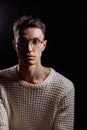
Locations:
{"points": [[35, 42]]}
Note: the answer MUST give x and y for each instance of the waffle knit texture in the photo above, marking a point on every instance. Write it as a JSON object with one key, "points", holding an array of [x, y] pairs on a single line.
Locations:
{"points": [[48, 105]]}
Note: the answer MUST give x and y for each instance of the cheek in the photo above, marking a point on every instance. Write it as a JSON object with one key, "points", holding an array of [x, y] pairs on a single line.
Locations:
{"points": [[38, 53], [20, 52]]}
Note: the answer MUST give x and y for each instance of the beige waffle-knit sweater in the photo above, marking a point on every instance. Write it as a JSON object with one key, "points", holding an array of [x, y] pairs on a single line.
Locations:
{"points": [[48, 105]]}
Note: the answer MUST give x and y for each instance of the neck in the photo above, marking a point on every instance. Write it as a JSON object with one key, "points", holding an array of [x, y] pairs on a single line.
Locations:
{"points": [[32, 73]]}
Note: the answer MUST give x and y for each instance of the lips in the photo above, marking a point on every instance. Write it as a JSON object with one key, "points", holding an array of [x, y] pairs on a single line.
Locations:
{"points": [[30, 57]]}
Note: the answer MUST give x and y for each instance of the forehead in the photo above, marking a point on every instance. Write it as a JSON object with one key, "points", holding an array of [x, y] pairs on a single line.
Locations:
{"points": [[33, 32]]}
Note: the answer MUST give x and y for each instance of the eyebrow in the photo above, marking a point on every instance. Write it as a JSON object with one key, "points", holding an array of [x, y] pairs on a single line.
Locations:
{"points": [[33, 38]]}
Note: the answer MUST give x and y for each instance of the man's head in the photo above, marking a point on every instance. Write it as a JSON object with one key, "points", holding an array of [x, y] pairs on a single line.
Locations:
{"points": [[29, 34], [25, 22]]}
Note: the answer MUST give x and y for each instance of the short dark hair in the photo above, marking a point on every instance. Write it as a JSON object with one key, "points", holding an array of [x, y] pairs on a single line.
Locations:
{"points": [[28, 21]]}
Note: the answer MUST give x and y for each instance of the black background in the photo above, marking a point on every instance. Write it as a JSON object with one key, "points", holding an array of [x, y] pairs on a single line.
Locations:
{"points": [[66, 48]]}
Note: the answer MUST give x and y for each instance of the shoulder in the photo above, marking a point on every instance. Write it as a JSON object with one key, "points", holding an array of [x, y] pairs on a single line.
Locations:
{"points": [[8, 72], [61, 82]]}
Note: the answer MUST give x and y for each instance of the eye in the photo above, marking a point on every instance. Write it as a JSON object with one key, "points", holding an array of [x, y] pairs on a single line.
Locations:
{"points": [[36, 41], [22, 40]]}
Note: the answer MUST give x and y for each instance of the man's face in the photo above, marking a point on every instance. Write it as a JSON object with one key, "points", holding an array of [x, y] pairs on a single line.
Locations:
{"points": [[30, 45]]}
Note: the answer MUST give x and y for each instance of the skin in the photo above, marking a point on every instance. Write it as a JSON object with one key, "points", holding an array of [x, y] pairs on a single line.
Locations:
{"points": [[30, 67]]}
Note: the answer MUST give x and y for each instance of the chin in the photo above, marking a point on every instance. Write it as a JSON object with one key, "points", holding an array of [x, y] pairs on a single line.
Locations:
{"points": [[29, 62]]}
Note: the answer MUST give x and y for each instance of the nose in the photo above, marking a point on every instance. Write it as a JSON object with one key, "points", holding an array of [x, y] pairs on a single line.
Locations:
{"points": [[29, 46]]}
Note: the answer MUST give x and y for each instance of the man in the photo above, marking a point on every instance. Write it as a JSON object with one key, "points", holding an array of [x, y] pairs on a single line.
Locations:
{"points": [[32, 96]]}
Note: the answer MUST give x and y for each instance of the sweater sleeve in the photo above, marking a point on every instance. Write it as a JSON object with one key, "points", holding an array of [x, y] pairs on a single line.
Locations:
{"points": [[3, 117], [64, 119], [3, 114]]}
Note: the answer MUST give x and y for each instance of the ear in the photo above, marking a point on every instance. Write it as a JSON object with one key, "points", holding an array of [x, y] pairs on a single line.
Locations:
{"points": [[14, 44], [44, 45]]}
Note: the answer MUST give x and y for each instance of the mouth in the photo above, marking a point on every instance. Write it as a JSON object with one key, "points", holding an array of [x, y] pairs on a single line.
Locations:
{"points": [[30, 57]]}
